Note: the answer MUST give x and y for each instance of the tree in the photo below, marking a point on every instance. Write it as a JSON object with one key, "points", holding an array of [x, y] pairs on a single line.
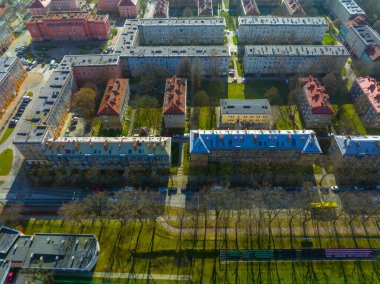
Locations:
{"points": [[12, 214], [201, 99], [333, 84], [272, 94], [38, 276], [187, 12], [84, 101], [144, 102]]}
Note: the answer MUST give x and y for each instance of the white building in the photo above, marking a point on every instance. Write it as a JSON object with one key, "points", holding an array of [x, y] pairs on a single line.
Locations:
{"points": [[182, 31], [359, 38], [345, 10], [281, 30], [291, 59]]}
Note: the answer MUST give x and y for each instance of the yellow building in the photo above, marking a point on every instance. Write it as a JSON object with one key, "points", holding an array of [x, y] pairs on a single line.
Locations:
{"points": [[250, 114]]}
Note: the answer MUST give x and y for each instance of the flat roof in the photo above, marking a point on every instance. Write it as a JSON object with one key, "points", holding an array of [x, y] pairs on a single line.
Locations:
{"points": [[196, 21], [282, 21], [295, 50], [351, 7], [259, 106], [366, 34], [6, 63]]}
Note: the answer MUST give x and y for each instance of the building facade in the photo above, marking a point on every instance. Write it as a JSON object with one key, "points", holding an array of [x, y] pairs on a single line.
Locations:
{"points": [[181, 31], [291, 59], [258, 146], [113, 107], [64, 5], [108, 152], [69, 26], [313, 103], [241, 114], [286, 30], [355, 152], [360, 38], [6, 37], [12, 74], [366, 95], [346, 10], [174, 106], [125, 8]]}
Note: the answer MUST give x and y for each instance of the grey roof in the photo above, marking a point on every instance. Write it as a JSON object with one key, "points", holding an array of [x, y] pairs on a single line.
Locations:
{"points": [[196, 21], [358, 145], [296, 50], [352, 7], [6, 63], [302, 21], [87, 60], [7, 238], [259, 106], [367, 34]]}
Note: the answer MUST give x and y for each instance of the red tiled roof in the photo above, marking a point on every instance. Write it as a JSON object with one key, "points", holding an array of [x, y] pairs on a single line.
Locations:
{"points": [[205, 8], [373, 52], [357, 20], [175, 96], [127, 3], [161, 9], [294, 7], [113, 97], [318, 100], [250, 8], [3, 9], [371, 88]]}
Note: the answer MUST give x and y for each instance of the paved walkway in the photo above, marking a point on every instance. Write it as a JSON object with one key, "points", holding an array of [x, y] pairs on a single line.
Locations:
{"points": [[133, 276]]}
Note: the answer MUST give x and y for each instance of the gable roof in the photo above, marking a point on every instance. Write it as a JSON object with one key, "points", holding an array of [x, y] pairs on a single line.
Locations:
{"points": [[175, 96], [114, 97], [125, 3], [204, 141]]}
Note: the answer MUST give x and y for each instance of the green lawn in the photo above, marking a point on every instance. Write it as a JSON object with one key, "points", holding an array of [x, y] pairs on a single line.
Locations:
{"points": [[256, 89], [6, 134], [236, 91], [328, 40], [283, 121], [148, 117], [347, 119], [230, 21], [6, 158], [235, 39], [186, 158], [203, 118], [148, 248]]}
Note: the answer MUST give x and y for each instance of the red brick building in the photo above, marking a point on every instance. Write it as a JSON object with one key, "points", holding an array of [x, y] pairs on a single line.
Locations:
{"points": [[126, 8], [69, 26], [174, 107]]}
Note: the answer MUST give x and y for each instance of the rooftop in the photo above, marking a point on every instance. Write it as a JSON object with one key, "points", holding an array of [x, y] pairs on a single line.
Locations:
{"points": [[358, 145], [114, 96], [196, 21], [357, 20], [38, 4], [161, 9], [7, 239], [366, 34], [204, 141], [371, 88], [175, 96], [315, 94], [109, 146], [351, 7], [6, 63], [68, 16], [269, 20], [205, 8], [295, 50], [259, 106]]}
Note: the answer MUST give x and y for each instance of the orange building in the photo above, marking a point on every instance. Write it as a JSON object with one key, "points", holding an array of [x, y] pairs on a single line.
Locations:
{"points": [[69, 26]]}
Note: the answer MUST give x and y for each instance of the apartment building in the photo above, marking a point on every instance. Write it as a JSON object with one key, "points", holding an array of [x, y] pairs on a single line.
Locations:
{"points": [[69, 26], [39, 7], [239, 146], [64, 5], [250, 8], [6, 37], [245, 114], [125, 8], [174, 106], [268, 3], [355, 152], [360, 38], [366, 95], [293, 59], [286, 30], [12, 74], [205, 8], [313, 103], [181, 31], [346, 10], [161, 9], [108, 152], [114, 103], [293, 8]]}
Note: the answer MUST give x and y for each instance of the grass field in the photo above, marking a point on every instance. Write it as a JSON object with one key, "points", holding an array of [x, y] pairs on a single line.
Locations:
{"points": [[230, 21], [283, 121], [236, 91], [148, 248], [148, 117], [328, 40], [348, 120], [206, 118], [6, 134], [6, 158]]}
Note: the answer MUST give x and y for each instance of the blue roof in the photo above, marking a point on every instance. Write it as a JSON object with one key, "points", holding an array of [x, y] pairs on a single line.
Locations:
{"points": [[358, 145], [204, 141]]}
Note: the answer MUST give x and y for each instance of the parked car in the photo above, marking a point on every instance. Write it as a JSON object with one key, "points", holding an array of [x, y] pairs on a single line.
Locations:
{"points": [[162, 190]]}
